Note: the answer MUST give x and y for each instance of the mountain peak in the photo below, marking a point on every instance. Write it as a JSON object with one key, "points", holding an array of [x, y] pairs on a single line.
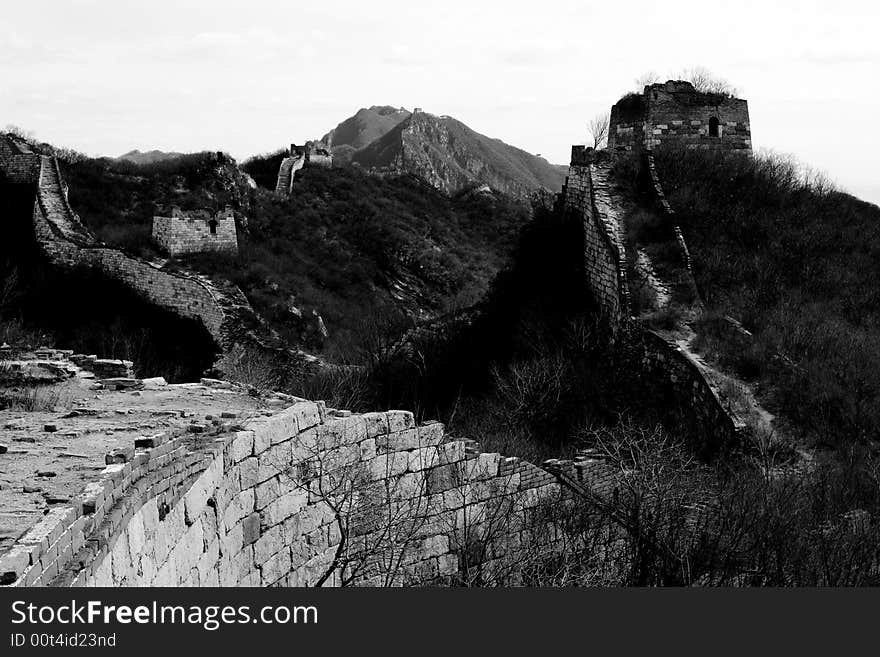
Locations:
{"points": [[441, 150]]}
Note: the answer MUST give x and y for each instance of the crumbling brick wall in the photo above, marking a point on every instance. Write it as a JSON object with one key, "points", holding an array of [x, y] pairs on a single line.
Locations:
{"points": [[675, 113], [604, 259], [187, 296], [231, 510], [18, 165], [195, 232], [670, 377]]}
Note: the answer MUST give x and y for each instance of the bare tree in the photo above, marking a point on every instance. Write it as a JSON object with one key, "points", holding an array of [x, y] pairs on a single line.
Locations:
{"points": [[21, 133], [376, 510], [598, 127], [657, 499], [705, 81], [651, 77]]}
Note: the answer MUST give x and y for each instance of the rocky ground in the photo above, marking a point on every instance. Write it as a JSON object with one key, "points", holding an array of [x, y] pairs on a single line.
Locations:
{"points": [[57, 436]]}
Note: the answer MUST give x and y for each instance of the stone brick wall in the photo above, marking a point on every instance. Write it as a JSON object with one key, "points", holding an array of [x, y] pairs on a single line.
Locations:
{"points": [[675, 113], [669, 375], [187, 296], [200, 232], [625, 135], [17, 163], [287, 173], [664, 209], [67, 243], [240, 509], [585, 197], [310, 154], [676, 382]]}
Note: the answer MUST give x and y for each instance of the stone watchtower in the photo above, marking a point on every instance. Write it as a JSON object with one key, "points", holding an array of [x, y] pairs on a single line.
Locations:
{"points": [[197, 231], [674, 112]]}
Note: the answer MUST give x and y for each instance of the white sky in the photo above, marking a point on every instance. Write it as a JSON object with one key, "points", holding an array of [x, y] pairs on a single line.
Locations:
{"points": [[249, 76]]}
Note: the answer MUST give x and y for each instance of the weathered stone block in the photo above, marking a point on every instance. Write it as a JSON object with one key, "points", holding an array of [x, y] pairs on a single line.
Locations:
{"points": [[241, 446], [398, 441], [376, 424], [269, 544], [400, 420], [284, 507], [275, 568], [250, 529]]}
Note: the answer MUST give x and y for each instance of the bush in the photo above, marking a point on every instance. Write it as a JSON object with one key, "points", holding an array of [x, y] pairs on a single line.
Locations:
{"points": [[797, 263]]}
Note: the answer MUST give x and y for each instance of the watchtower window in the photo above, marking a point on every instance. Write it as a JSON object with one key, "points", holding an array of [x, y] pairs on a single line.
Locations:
{"points": [[714, 127], [213, 226]]}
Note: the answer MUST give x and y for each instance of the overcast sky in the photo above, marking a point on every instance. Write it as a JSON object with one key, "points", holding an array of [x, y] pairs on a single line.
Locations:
{"points": [[250, 76]]}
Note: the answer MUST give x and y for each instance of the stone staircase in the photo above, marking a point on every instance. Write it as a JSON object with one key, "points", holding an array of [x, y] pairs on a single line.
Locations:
{"points": [[289, 166], [53, 199]]}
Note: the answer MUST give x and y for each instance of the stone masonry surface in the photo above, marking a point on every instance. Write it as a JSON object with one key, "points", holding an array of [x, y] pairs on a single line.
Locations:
{"points": [[675, 113], [588, 197], [310, 154], [217, 502], [220, 308], [183, 233]]}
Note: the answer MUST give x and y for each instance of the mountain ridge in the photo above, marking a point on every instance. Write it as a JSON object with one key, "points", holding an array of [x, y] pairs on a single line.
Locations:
{"points": [[148, 157], [441, 150]]}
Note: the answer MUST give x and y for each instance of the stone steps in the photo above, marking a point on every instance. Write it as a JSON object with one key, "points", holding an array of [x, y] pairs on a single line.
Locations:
{"points": [[53, 198], [284, 174]]}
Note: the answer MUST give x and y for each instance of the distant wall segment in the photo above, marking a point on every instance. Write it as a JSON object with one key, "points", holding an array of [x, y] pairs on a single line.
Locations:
{"points": [[183, 233], [67, 243]]}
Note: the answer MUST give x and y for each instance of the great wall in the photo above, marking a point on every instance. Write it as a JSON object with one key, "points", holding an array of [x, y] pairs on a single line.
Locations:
{"points": [[209, 485], [233, 490], [310, 154], [65, 242]]}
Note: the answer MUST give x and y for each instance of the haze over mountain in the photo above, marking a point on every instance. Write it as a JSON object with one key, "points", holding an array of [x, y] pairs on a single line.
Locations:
{"points": [[367, 125], [441, 150], [148, 157]]}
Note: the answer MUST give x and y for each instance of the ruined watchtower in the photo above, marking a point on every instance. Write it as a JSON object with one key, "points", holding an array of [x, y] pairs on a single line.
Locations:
{"points": [[673, 112], [195, 231], [314, 152]]}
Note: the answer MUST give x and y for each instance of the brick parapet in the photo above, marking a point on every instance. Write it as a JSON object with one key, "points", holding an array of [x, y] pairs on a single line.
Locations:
{"points": [[228, 509], [586, 197]]}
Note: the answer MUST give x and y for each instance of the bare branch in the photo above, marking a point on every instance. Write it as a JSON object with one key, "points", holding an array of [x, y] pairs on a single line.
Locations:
{"points": [[598, 127]]}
